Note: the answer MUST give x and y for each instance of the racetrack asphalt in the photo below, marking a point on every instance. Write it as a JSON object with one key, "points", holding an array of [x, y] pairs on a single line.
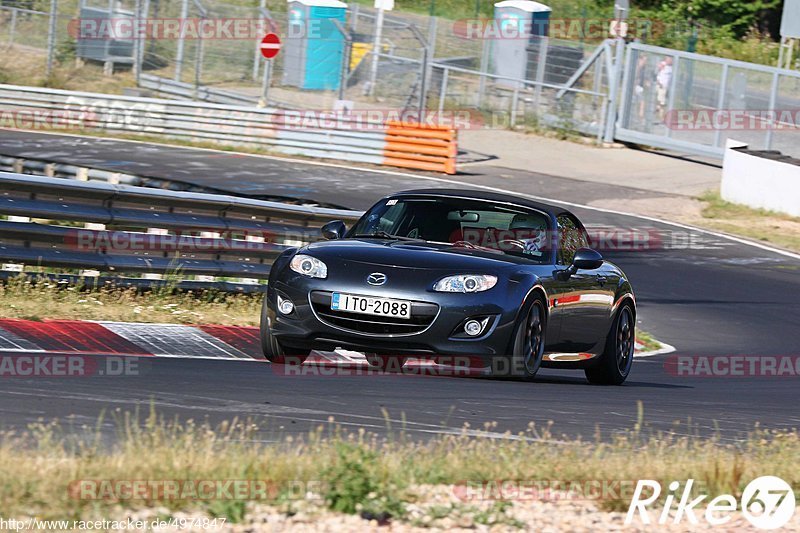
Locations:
{"points": [[712, 297]]}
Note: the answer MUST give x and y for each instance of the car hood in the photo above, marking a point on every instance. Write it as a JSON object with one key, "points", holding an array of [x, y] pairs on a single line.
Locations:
{"points": [[419, 255]]}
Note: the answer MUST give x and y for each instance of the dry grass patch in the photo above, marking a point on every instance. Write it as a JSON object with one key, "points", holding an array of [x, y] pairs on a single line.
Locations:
{"points": [[356, 472], [758, 224], [44, 299], [22, 65]]}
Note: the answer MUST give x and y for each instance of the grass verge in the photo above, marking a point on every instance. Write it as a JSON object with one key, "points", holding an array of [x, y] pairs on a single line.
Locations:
{"points": [[44, 299], [648, 342], [353, 473], [758, 224]]}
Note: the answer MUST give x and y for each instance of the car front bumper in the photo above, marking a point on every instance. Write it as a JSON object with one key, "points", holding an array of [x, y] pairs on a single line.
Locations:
{"points": [[308, 326]]}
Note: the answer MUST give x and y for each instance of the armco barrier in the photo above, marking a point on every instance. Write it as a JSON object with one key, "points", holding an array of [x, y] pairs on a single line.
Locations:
{"points": [[197, 234], [405, 145]]}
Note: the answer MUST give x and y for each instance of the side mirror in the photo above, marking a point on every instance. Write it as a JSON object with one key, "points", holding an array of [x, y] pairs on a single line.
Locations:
{"points": [[334, 230], [587, 259]]}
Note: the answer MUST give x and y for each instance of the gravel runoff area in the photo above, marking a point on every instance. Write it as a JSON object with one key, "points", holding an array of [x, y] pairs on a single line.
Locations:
{"points": [[439, 508]]}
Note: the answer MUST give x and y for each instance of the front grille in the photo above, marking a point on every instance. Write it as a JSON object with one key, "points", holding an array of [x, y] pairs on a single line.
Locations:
{"points": [[422, 316]]}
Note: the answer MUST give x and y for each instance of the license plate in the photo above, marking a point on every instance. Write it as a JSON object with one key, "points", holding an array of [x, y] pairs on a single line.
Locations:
{"points": [[370, 306]]}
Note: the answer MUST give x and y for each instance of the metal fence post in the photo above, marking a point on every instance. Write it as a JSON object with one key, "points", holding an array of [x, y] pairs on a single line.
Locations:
{"points": [[425, 67], [541, 63], [344, 65], [613, 91], [257, 53], [514, 102], [51, 36], [137, 67], [344, 69], [628, 79], [484, 68], [376, 49], [443, 91], [423, 83], [603, 111], [266, 80], [673, 86], [143, 45], [723, 84], [432, 25], [181, 40], [108, 66], [198, 61], [13, 28], [354, 17], [773, 98]]}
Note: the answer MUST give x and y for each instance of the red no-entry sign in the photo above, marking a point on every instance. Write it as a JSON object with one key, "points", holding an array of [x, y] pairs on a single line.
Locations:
{"points": [[270, 45]]}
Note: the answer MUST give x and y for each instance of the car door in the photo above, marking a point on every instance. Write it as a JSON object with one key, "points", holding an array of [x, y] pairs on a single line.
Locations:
{"points": [[585, 304]]}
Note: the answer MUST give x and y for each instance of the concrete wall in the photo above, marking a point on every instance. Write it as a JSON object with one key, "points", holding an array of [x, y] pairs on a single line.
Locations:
{"points": [[761, 182]]}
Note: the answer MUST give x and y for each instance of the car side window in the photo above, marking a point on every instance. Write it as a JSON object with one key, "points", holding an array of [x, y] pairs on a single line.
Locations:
{"points": [[570, 238]]}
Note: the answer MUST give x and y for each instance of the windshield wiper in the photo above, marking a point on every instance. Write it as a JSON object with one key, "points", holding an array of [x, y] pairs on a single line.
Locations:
{"points": [[386, 235]]}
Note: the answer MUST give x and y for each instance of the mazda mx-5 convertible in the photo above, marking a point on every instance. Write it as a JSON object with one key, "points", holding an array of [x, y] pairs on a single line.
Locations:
{"points": [[432, 273]]}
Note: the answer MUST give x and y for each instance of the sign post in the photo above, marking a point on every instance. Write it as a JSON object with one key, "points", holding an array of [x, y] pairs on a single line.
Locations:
{"points": [[270, 46]]}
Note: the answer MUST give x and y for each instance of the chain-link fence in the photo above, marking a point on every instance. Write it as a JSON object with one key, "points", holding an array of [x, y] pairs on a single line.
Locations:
{"points": [[417, 54], [37, 24], [422, 63]]}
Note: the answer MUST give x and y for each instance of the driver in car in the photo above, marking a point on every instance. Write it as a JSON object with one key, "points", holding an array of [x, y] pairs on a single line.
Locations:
{"points": [[531, 232]]}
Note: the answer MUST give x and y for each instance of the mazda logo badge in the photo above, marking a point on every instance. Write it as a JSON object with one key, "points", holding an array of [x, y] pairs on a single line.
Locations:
{"points": [[376, 278]]}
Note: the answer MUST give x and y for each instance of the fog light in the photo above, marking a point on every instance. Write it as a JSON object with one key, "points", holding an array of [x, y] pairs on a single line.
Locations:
{"points": [[285, 305], [473, 328]]}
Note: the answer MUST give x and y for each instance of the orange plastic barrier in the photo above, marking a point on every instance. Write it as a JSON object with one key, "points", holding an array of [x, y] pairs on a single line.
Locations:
{"points": [[421, 147]]}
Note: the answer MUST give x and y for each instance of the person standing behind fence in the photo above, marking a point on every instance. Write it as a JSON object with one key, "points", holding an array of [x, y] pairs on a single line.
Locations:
{"points": [[663, 81], [642, 82]]}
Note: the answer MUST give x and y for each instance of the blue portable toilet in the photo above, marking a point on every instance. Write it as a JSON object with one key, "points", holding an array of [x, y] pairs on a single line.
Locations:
{"points": [[527, 21], [314, 46]]}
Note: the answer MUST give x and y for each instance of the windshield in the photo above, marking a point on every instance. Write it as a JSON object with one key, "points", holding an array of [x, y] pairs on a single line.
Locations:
{"points": [[463, 223]]}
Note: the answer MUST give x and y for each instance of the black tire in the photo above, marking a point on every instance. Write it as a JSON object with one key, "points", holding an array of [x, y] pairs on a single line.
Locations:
{"points": [[273, 351], [527, 350], [614, 365], [386, 362]]}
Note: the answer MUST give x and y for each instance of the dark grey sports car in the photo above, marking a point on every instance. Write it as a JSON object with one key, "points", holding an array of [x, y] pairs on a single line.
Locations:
{"points": [[430, 273]]}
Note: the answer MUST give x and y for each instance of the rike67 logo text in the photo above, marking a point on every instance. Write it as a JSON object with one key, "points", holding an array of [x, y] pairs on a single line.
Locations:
{"points": [[767, 502]]}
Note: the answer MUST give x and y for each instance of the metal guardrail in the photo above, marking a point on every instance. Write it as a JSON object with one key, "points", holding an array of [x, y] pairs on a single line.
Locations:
{"points": [[120, 229], [60, 170], [333, 136], [188, 91]]}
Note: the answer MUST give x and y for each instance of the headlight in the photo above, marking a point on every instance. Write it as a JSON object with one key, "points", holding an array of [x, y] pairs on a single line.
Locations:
{"points": [[465, 283], [309, 266]]}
